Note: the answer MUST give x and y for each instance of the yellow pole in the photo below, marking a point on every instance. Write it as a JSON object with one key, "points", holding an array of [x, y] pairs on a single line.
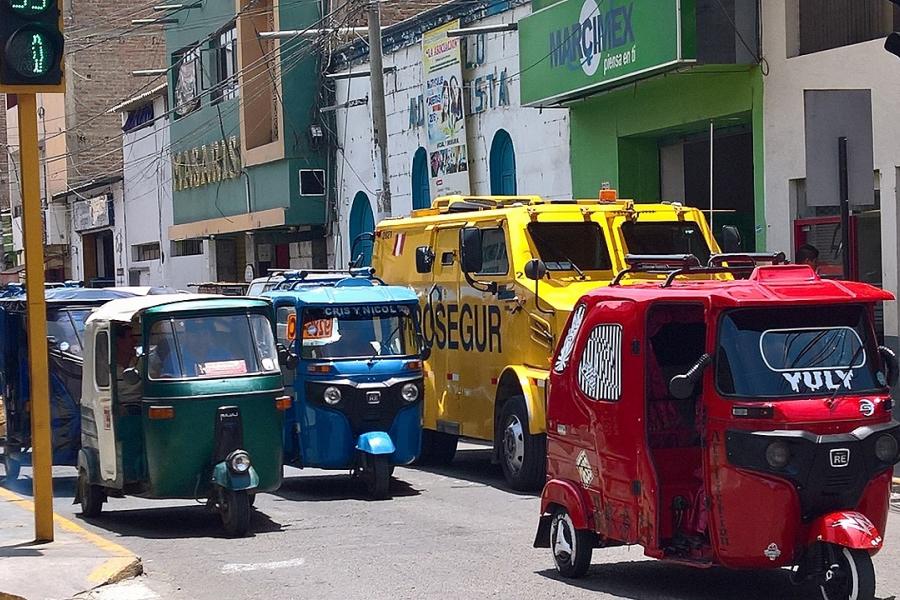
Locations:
{"points": [[41, 450]]}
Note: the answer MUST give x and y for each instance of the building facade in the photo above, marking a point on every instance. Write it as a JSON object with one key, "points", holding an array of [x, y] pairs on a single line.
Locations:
{"points": [[508, 149], [830, 77]]}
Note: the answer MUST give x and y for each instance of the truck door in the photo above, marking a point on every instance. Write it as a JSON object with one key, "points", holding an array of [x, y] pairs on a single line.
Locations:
{"points": [[99, 383], [608, 418], [441, 311]]}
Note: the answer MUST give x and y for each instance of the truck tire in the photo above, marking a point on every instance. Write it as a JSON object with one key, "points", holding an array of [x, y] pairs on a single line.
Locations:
{"points": [[438, 448], [523, 456]]}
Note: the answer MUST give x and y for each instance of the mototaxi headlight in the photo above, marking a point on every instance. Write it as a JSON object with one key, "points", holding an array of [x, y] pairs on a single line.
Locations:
{"points": [[410, 392], [239, 462], [332, 395], [886, 448], [778, 454]]}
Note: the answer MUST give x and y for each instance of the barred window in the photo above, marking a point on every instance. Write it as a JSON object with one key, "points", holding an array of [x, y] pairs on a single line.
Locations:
{"points": [[187, 247], [141, 252], [600, 368]]}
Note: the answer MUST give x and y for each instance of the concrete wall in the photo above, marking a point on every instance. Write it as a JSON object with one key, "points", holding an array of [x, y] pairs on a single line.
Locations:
{"points": [[147, 203], [540, 138], [860, 66]]}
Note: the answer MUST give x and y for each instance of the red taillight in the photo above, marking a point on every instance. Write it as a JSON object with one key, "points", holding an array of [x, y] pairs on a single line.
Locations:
{"points": [[161, 413], [283, 403]]}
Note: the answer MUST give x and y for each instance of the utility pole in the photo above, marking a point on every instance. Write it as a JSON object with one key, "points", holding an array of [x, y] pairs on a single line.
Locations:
{"points": [[379, 113]]}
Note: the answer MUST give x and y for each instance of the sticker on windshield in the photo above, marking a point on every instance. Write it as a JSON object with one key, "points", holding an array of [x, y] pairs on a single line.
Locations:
{"points": [[318, 329], [815, 359], [565, 352], [224, 367]]}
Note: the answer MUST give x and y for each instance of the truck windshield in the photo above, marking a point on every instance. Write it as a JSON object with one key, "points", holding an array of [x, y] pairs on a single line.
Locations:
{"points": [[562, 245], [345, 332], [659, 237], [797, 352], [67, 328], [206, 346]]}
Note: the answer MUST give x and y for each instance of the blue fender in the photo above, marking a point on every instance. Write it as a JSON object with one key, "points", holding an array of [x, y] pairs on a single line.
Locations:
{"points": [[223, 477], [375, 442]]}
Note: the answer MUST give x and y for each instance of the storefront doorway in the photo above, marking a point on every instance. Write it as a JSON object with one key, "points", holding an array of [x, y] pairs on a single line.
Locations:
{"points": [[99, 259]]}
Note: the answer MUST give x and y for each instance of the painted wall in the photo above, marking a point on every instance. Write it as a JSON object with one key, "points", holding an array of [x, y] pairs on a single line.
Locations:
{"points": [[615, 135], [860, 66], [148, 207], [540, 137], [76, 246]]}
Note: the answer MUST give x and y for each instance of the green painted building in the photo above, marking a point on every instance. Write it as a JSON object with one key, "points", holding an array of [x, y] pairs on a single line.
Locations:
{"points": [[248, 154], [648, 84]]}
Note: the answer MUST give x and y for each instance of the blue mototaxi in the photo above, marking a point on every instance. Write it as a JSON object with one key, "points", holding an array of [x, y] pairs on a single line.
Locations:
{"points": [[67, 309], [355, 371]]}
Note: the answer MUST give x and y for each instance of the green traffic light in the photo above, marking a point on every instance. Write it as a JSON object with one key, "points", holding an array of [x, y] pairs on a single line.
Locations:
{"points": [[29, 7], [30, 53]]}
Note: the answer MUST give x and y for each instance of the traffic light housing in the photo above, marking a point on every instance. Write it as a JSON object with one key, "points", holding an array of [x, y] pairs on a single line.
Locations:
{"points": [[31, 46]]}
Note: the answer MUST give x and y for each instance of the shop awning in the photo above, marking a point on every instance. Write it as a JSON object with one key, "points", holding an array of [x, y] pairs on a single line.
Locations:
{"points": [[263, 219]]}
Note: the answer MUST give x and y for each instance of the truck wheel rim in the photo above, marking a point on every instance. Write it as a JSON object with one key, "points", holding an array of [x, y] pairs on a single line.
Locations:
{"points": [[514, 444]]}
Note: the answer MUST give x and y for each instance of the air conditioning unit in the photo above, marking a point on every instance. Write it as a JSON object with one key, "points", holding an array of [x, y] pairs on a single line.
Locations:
{"points": [[56, 225]]}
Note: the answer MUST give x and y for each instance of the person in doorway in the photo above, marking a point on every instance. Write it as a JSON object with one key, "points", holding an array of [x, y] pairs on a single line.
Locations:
{"points": [[807, 254], [126, 358]]}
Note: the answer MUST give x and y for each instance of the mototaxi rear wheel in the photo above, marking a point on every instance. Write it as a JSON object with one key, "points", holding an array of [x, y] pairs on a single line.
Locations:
{"points": [[572, 548], [849, 574], [234, 508]]}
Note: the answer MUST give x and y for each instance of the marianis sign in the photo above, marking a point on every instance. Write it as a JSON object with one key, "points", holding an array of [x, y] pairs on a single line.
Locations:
{"points": [[576, 47]]}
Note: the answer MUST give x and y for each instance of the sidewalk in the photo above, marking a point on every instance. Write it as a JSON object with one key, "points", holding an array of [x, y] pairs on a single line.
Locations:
{"points": [[77, 560]]}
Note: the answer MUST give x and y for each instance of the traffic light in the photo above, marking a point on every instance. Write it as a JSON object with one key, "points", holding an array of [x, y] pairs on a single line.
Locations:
{"points": [[31, 46]]}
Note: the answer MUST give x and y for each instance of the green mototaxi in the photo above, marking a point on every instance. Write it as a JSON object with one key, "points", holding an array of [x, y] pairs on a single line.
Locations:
{"points": [[182, 397]]}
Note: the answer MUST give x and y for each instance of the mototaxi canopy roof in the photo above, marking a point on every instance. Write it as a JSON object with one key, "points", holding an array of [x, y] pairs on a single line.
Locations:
{"points": [[124, 310]]}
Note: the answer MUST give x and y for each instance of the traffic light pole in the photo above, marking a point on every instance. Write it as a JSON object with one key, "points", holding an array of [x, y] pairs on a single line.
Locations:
{"points": [[41, 451]]}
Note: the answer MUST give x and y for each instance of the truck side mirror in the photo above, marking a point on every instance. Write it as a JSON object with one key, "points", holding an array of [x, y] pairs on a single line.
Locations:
{"points": [[424, 259], [131, 376], [731, 239], [535, 269], [471, 259], [683, 386], [891, 364]]}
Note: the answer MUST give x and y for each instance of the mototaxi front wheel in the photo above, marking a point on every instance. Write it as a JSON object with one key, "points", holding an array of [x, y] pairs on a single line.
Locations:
{"points": [[377, 476], [234, 508], [572, 548], [849, 574], [90, 497]]}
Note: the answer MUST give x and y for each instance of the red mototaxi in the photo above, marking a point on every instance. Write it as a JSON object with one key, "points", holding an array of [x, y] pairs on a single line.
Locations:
{"points": [[765, 452]]}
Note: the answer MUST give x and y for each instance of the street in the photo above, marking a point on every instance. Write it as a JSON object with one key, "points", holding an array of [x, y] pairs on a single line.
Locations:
{"points": [[453, 532]]}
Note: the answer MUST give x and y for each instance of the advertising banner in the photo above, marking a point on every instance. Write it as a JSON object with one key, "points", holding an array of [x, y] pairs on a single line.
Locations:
{"points": [[576, 47], [445, 117]]}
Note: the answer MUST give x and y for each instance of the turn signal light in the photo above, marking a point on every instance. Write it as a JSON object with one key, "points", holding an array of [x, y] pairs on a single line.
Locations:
{"points": [[283, 403], [608, 196], [319, 369], [413, 365], [161, 413]]}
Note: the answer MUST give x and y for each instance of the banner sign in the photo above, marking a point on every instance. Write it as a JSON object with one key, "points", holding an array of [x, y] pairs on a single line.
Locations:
{"points": [[92, 213], [445, 111], [576, 47]]}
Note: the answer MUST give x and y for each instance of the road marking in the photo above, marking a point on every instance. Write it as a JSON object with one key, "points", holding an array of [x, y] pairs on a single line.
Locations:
{"points": [[280, 564], [124, 563]]}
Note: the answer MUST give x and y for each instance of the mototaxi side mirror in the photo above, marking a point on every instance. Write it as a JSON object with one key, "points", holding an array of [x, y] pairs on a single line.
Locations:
{"points": [[891, 365], [683, 386], [424, 259], [286, 358], [471, 257], [426, 352], [131, 376], [535, 269], [731, 239]]}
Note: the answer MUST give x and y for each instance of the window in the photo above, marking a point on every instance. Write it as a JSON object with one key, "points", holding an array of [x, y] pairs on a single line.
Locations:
{"points": [[284, 316], [188, 75], [139, 117], [503, 165], [101, 359], [358, 332], [312, 182], [665, 238], [66, 328], [828, 24], [187, 247], [141, 252], [493, 247], [570, 246], [600, 367], [225, 68]]}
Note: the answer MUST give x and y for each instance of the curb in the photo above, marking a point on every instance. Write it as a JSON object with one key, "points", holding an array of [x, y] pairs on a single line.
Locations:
{"points": [[121, 566]]}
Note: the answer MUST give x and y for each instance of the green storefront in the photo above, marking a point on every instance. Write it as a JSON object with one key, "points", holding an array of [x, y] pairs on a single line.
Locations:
{"points": [[647, 84]]}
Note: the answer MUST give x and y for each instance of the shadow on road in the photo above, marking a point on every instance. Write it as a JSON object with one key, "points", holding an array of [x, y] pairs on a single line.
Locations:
{"points": [[63, 486], [19, 550], [474, 464], [651, 580], [173, 522], [339, 486]]}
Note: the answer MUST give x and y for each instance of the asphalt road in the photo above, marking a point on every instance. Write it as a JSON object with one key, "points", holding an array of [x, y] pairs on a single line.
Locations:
{"points": [[456, 532]]}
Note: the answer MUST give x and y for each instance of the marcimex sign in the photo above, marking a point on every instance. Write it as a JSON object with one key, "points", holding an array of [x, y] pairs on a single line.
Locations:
{"points": [[576, 47], [209, 163]]}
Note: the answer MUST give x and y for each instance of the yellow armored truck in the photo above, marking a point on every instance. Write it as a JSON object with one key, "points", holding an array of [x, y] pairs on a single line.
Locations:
{"points": [[496, 279]]}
